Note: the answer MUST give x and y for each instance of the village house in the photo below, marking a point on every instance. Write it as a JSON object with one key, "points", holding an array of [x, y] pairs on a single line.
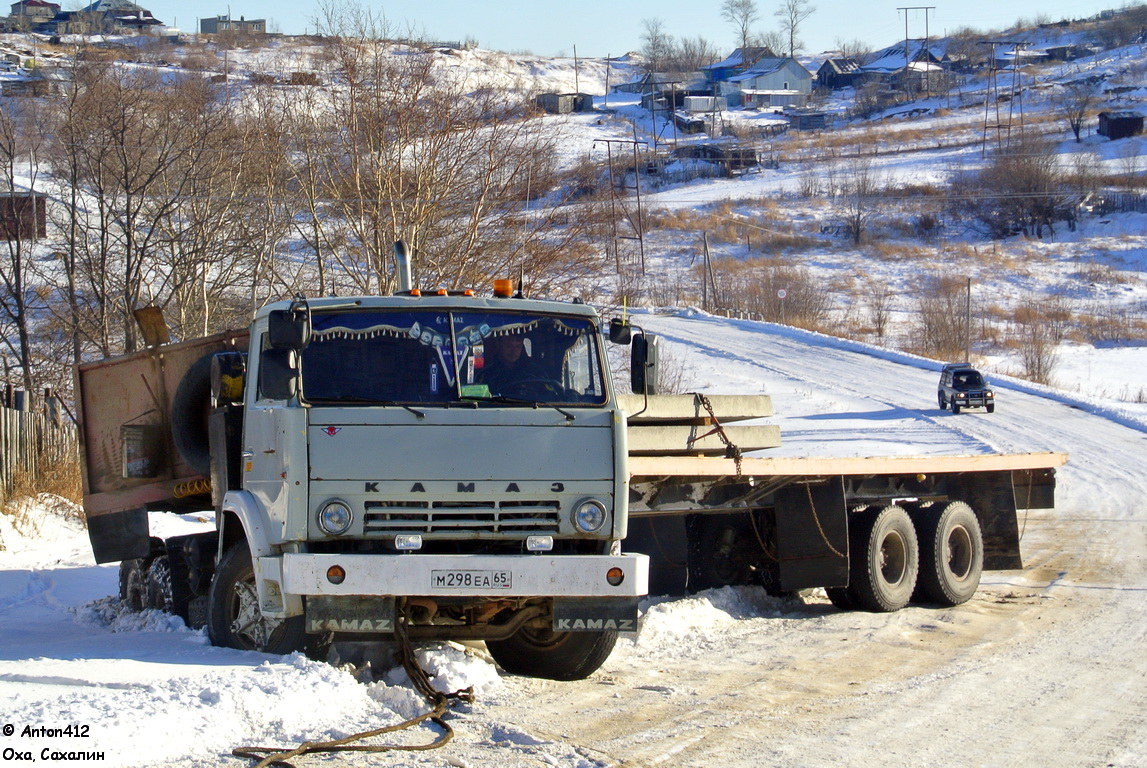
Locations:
{"points": [[771, 83], [106, 16], [224, 23], [29, 14], [837, 73]]}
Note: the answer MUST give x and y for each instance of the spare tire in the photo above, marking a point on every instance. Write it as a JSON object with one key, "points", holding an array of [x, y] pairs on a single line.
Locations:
{"points": [[190, 412]]}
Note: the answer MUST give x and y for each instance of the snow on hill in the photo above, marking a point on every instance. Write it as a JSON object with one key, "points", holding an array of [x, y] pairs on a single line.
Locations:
{"points": [[1042, 667]]}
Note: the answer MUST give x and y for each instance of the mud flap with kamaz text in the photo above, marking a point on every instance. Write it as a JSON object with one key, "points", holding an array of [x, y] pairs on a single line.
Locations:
{"points": [[593, 614], [349, 613]]}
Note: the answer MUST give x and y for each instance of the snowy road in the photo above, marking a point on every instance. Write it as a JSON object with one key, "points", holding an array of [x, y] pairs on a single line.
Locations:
{"points": [[1043, 667]]}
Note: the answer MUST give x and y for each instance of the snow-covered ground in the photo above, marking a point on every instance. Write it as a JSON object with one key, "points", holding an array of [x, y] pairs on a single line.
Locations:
{"points": [[1043, 667]]}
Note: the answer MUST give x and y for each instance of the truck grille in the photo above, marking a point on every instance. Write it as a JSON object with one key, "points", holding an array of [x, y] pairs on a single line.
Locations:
{"points": [[461, 519]]}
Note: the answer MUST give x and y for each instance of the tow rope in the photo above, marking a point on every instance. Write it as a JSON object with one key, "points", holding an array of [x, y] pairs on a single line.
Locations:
{"points": [[439, 703]]}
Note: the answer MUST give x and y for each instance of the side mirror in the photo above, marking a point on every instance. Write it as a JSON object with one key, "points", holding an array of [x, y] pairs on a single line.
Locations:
{"points": [[289, 328], [620, 332], [643, 364], [278, 374]]}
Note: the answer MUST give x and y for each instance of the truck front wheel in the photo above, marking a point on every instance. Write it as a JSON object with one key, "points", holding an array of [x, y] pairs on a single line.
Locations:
{"points": [[541, 652], [233, 616]]}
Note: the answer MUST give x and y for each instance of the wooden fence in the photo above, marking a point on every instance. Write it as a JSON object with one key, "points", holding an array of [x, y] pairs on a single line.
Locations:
{"points": [[32, 442]]}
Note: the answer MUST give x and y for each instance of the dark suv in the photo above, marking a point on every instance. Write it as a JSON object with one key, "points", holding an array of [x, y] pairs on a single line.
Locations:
{"points": [[962, 386]]}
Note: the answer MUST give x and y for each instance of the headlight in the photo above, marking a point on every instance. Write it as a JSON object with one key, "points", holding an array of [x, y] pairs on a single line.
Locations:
{"points": [[989, 393], [589, 516], [335, 517]]}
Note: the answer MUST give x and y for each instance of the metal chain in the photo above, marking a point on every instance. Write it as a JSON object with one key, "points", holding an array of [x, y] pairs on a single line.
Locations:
{"points": [[731, 450], [440, 702]]}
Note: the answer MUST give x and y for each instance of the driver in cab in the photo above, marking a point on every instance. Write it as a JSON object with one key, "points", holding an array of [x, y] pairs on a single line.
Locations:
{"points": [[507, 364]]}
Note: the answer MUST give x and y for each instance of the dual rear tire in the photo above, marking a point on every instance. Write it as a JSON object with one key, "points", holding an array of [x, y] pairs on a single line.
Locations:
{"points": [[934, 556]]}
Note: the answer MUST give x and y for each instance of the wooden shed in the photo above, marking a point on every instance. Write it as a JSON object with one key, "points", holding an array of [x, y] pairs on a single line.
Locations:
{"points": [[1120, 125]]}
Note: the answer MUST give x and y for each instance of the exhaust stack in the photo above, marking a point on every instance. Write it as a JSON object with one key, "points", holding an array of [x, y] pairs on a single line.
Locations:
{"points": [[402, 267]]}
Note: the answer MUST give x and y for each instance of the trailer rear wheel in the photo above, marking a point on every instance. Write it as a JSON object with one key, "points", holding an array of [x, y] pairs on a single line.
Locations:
{"points": [[883, 572], [951, 554], [234, 619], [541, 652]]}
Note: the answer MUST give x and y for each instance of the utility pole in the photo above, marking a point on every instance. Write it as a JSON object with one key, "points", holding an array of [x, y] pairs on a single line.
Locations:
{"points": [[992, 96], [968, 323], [577, 87], [615, 202], [907, 8]]}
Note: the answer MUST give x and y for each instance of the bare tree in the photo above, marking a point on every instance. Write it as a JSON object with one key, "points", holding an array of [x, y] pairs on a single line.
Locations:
{"points": [[656, 45], [21, 142], [879, 304], [413, 152], [1020, 191], [858, 197], [742, 14], [941, 328], [855, 49], [1073, 101], [1037, 342], [792, 14], [694, 53], [772, 40]]}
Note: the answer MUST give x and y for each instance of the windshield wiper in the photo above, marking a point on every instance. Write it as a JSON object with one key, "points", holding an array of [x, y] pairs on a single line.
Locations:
{"points": [[368, 401], [516, 401]]}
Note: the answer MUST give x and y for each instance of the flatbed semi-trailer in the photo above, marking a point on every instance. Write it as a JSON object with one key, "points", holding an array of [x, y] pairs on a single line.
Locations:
{"points": [[874, 531]]}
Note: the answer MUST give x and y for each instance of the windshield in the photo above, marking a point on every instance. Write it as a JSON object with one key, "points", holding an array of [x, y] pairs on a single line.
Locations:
{"points": [[441, 356], [968, 380]]}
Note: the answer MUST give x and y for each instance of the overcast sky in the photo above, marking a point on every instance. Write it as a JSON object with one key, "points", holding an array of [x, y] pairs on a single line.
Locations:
{"points": [[601, 27]]}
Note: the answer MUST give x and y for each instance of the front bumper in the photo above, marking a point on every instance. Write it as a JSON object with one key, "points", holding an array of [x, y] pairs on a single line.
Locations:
{"points": [[445, 575]]}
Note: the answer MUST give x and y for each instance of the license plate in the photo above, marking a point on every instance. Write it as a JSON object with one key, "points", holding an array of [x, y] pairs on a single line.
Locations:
{"points": [[470, 579]]}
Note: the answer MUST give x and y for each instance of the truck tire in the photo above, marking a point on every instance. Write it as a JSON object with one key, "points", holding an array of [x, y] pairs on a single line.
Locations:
{"points": [[132, 589], [157, 585], [886, 559], [991, 407], [841, 597], [955, 407], [951, 554], [943, 402], [541, 652], [190, 408], [233, 616]]}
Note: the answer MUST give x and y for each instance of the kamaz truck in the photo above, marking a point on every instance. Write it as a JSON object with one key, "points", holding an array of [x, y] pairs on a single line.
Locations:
{"points": [[453, 463]]}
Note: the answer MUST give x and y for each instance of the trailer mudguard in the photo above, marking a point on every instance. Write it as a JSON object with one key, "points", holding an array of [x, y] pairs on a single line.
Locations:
{"points": [[812, 535]]}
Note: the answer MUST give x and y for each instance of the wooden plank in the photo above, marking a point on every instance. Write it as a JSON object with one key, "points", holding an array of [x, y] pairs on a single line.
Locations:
{"points": [[817, 466], [686, 409], [682, 440]]}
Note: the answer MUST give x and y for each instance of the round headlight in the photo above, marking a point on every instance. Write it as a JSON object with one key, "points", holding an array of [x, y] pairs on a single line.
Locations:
{"points": [[335, 517], [589, 516]]}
